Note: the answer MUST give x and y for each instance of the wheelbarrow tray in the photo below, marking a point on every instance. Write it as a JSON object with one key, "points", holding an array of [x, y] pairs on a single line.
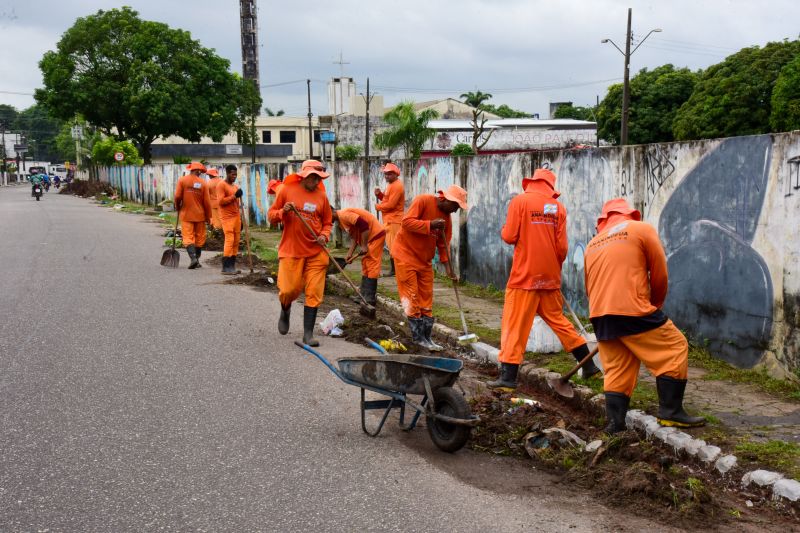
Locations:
{"points": [[401, 373]]}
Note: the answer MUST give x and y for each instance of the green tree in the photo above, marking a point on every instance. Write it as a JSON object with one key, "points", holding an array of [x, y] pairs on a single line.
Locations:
{"points": [[407, 129], [40, 129], [462, 149], [271, 113], [734, 97], [475, 99], [785, 115], [504, 111], [140, 80], [8, 114], [103, 152], [575, 112], [347, 152]]}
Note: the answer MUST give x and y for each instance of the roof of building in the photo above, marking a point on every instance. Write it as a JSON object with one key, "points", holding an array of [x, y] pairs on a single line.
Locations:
{"points": [[548, 124]]}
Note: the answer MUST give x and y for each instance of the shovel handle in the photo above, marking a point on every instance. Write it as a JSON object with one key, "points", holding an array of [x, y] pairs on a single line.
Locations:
{"points": [[574, 316], [175, 231], [246, 235], [460, 309], [577, 367]]}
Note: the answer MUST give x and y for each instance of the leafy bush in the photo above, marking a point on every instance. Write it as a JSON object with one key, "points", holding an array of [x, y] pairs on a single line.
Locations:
{"points": [[348, 152], [462, 149]]}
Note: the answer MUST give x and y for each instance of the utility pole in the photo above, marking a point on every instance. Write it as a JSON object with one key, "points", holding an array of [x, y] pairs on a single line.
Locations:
{"points": [[5, 167], [365, 183], [310, 129]]}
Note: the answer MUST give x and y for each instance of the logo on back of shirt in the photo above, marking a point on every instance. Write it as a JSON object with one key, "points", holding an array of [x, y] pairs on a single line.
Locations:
{"points": [[550, 209], [197, 185], [618, 228], [308, 207]]}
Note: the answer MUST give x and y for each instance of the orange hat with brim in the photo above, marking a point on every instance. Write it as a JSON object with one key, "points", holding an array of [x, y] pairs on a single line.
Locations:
{"points": [[311, 166], [195, 166], [456, 194], [213, 172], [391, 167], [272, 186], [618, 205], [545, 175]]}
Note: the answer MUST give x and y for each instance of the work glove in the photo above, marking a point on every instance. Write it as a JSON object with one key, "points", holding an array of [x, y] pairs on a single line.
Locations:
{"points": [[239, 193]]}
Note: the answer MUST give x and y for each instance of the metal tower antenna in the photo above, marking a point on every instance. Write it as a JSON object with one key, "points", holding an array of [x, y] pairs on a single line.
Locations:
{"points": [[249, 20]]}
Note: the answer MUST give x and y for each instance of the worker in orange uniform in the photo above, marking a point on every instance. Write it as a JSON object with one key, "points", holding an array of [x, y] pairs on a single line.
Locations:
{"points": [[193, 203], [426, 227], [302, 260], [391, 204], [367, 235], [626, 280], [536, 225], [274, 187], [230, 195], [213, 181]]}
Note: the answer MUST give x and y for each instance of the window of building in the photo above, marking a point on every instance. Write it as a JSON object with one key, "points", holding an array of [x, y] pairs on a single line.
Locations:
{"points": [[316, 136], [266, 136], [288, 137]]}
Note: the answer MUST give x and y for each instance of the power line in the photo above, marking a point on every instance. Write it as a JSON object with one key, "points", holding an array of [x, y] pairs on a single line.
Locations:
{"points": [[506, 90]]}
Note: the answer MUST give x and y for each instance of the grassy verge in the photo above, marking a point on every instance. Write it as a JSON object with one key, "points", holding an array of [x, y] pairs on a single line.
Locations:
{"points": [[777, 454]]}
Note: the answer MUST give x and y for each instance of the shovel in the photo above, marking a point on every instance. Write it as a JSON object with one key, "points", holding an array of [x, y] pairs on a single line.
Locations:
{"points": [[246, 236], [467, 337], [365, 309], [562, 385], [171, 258]]}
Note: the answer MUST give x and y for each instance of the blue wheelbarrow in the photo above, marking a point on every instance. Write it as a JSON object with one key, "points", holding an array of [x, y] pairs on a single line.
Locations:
{"points": [[447, 413]]}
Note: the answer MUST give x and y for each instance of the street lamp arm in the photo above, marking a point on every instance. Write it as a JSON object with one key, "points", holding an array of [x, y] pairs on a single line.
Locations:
{"points": [[657, 30], [613, 43]]}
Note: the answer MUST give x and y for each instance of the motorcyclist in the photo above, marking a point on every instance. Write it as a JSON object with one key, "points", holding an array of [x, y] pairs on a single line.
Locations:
{"points": [[36, 181], [57, 181], [46, 181]]}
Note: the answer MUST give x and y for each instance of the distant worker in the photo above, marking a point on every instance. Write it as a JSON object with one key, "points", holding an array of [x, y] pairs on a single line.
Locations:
{"points": [[213, 182], [626, 280], [229, 196], [391, 204], [274, 187], [536, 225], [302, 262], [426, 227], [194, 209], [367, 236]]}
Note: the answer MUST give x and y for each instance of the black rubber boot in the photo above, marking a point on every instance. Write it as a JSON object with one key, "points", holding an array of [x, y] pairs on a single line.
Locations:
{"points": [[418, 332], [226, 266], [234, 270], [283, 321], [362, 290], [589, 369], [507, 378], [198, 250], [616, 409], [309, 321], [391, 268], [369, 289], [428, 330], [670, 404], [192, 251]]}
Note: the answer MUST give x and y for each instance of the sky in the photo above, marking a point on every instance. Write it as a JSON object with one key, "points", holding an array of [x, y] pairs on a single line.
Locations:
{"points": [[526, 53]]}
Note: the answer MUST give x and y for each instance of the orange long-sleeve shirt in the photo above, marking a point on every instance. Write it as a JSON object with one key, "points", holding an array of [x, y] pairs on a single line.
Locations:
{"points": [[416, 244], [191, 193], [355, 221], [314, 207], [392, 202], [536, 224], [228, 203], [625, 269], [212, 191]]}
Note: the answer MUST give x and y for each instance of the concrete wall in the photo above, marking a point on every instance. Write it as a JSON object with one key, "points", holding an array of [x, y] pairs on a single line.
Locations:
{"points": [[726, 209]]}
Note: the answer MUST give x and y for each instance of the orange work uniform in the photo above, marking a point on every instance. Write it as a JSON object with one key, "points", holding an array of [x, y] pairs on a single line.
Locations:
{"points": [[302, 263], [413, 251], [626, 281], [212, 194], [536, 224], [230, 217], [357, 221], [191, 193], [392, 205]]}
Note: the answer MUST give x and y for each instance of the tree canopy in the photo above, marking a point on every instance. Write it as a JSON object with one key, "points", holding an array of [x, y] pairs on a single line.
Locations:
{"points": [[408, 129], [785, 115], [104, 150], [575, 112], [140, 80]]}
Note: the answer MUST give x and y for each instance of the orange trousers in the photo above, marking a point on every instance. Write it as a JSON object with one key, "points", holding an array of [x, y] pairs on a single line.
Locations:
{"points": [[296, 274], [392, 230], [520, 308], [415, 288], [371, 262], [193, 233], [232, 227], [216, 221], [664, 351]]}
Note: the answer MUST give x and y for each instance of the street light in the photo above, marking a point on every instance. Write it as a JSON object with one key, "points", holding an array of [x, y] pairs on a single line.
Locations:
{"points": [[626, 90]]}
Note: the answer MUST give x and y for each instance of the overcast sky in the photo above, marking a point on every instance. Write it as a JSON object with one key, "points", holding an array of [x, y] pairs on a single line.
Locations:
{"points": [[526, 53]]}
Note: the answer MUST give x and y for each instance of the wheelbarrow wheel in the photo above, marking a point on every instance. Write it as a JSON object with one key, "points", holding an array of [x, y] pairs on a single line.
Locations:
{"points": [[449, 437]]}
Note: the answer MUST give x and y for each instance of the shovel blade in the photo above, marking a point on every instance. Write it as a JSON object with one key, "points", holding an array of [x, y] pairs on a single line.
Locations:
{"points": [[562, 387], [171, 258]]}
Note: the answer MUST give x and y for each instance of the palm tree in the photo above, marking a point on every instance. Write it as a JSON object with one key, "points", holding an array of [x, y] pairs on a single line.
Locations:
{"points": [[475, 99], [409, 129], [478, 122], [271, 113]]}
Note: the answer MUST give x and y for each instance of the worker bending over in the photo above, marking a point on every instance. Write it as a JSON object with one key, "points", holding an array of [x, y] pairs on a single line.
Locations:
{"points": [[367, 236]]}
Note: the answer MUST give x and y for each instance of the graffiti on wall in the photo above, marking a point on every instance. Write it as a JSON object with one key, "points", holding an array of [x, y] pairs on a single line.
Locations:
{"points": [[658, 169], [793, 183], [720, 287]]}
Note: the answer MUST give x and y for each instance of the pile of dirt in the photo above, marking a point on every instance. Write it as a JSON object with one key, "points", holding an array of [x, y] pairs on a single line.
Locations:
{"points": [[256, 279], [86, 188], [214, 242], [243, 264]]}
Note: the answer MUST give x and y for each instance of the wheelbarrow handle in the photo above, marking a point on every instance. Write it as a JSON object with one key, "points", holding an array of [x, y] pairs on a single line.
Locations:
{"points": [[321, 357], [376, 345]]}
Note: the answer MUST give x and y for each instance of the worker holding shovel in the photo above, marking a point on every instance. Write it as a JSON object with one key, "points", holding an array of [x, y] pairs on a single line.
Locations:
{"points": [[302, 257], [626, 280], [426, 227], [213, 181], [536, 225], [391, 204], [194, 210], [367, 236], [229, 196]]}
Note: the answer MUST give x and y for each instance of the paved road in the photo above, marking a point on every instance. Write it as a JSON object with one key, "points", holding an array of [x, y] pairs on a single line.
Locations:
{"points": [[137, 398]]}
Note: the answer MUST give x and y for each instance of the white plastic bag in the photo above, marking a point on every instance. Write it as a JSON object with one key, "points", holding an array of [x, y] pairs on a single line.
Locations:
{"points": [[332, 320]]}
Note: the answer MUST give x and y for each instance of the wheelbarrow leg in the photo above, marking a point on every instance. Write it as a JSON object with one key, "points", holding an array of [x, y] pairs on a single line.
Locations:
{"points": [[411, 425], [367, 405]]}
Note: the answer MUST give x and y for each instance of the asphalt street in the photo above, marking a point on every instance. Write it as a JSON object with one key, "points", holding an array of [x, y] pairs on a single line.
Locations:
{"points": [[135, 397]]}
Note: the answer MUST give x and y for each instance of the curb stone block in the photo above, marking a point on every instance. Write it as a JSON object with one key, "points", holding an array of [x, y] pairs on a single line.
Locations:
{"points": [[633, 417], [645, 421], [583, 391], [725, 464], [762, 478], [708, 453], [786, 488], [678, 440], [693, 446], [598, 401], [486, 351], [663, 432], [650, 427]]}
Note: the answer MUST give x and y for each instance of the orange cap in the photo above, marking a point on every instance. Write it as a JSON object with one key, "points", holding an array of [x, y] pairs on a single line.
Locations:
{"points": [[391, 167], [195, 166], [272, 186], [213, 172], [618, 205], [457, 195]]}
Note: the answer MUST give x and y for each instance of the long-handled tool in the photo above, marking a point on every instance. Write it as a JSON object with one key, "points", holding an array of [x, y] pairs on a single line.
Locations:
{"points": [[365, 309], [467, 337], [562, 385], [171, 258], [575, 317], [246, 236]]}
